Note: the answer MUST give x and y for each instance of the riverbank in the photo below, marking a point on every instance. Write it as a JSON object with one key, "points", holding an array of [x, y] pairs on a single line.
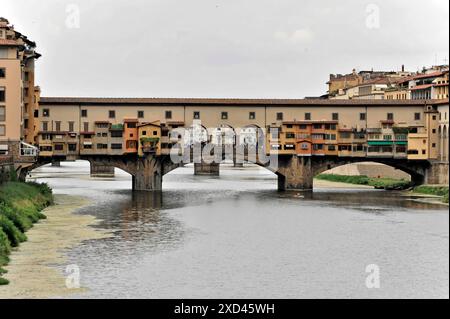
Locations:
{"points": [[439, 193], [378, 183], [36, 269], [20, 207]]}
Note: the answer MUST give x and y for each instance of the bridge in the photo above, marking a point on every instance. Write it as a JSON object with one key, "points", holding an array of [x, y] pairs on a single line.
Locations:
{"points": [[295, 139]]}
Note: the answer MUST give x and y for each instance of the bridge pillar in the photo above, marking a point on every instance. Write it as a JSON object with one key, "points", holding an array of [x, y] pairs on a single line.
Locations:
{"points": [[148, 176], [56, 164], [101, 170], [295, 173], [239, 165], [205, 169], [437, 174]]}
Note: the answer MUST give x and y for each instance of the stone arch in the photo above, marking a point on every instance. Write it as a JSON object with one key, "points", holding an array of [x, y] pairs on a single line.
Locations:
{"points": [[417, 171]]}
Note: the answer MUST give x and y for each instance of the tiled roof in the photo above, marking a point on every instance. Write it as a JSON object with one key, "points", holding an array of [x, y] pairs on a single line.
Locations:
{"points": [[8, 42], [232, 102], [421, 87]]}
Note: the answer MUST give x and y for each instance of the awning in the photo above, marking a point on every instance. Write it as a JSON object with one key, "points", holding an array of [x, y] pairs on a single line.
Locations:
{"points": [[380, 143], [401, 143], [87, 143]]}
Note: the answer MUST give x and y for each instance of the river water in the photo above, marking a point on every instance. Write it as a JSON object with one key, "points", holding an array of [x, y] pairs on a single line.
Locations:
{"points": [[235, 236]]}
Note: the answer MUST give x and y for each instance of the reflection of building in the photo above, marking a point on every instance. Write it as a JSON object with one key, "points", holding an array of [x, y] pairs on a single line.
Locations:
{"points": [[18, 95]]}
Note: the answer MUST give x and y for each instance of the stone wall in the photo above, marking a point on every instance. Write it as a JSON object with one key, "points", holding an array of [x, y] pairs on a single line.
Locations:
{"points": [[369, 169]]}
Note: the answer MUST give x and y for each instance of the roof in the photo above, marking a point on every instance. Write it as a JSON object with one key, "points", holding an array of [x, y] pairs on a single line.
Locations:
{"points": [[422, 76], [229, 102], [422, 87], [7, 42], [149, 123]]}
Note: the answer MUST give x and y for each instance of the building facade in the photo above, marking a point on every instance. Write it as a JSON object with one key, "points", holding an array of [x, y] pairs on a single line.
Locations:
{"points": [[353, 128], [18, 95]]}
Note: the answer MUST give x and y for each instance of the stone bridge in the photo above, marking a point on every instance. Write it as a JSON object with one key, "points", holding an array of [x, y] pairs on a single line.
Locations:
{"points": [[293, 172]]}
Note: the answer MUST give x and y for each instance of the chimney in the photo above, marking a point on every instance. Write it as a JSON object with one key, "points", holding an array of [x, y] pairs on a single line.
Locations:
{"points": [[403, 68]]}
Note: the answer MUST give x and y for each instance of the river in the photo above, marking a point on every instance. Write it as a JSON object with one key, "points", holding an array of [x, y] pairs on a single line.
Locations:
{"points": [[235, 236]]}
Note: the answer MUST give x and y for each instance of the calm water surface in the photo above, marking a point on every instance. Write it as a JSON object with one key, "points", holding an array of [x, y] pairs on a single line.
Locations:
{"points": [[235, 236]]}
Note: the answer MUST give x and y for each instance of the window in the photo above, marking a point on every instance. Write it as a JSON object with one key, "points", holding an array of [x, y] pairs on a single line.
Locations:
{"points": [[251, 115], [224, 116], [45, 112], [305, 146], [417, 116], [302, 126], [72, 147], [387, 137], [345, 134], [390, 116], [434, 131], [2, 94], [45, 126], [112, 114], [84, 113], [144, 133], [116, 146], [196, 115], [2, 73], [290, 135], [279, 116], [58, 126], [307, 116], [424, 152], [59, 147], [71, 126], [140, 114], [168, 115], [2, 130], [155, 133], [102, 146], [331, 147], [335, 116], [317, 126], [86, 126], [362, 116], [131, 125], [2, 114], [433, 145], [116, 134]]}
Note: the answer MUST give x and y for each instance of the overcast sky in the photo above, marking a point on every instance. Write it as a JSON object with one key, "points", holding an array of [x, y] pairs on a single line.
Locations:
{"points": [[223, 48]]}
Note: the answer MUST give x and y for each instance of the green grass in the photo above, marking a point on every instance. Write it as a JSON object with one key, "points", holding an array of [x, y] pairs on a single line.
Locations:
{"points": [[433, 190], [20, 207], [380, 183]]}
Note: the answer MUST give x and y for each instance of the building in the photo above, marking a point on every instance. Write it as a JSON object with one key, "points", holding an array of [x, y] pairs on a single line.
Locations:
{"points": [[410, 129], [18, 94]]}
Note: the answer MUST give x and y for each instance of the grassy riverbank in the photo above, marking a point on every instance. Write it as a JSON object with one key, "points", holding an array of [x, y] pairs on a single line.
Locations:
{"points": [[441, 191], [20, 207], [380, 183]]}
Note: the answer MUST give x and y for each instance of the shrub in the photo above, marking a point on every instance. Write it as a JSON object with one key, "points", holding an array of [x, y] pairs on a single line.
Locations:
{"points": [[20, 206], [15, 236]]}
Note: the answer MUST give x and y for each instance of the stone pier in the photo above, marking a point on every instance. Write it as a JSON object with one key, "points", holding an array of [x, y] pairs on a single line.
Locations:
{"points": [[295, 173], [56, 164], [205, 169], [101, 170]]}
